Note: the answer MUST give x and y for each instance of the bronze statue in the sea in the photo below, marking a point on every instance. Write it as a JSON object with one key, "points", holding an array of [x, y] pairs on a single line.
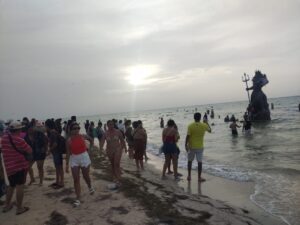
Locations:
{"points": [[258, 109]]}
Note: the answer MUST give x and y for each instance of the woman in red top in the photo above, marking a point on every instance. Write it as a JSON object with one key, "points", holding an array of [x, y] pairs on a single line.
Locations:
{"points": [[79, 160]]}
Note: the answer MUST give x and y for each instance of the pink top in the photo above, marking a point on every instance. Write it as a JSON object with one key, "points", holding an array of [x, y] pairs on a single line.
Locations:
{"points": [[13, 160]]}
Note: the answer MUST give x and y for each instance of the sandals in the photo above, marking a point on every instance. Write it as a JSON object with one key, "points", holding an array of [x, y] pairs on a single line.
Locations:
{"points": [[76, 203], [201, 180], [25, 209], [91, 191], [58, 186], [7, 208], [53, 184]]}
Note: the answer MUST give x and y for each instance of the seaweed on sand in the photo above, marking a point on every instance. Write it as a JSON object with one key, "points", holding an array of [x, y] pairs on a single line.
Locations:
{"points": [[160, 210], [57, 219]]}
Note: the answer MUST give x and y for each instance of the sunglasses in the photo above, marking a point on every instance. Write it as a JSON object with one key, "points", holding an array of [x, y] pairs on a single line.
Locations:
{"points": [[75, 128]]}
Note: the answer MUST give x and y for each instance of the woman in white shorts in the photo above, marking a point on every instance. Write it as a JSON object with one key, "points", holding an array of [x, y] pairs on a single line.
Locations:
{"points": [[79, 160]]}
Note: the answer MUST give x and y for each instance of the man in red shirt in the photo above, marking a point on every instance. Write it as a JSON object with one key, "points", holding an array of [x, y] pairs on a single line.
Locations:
{"points": [[16, 165]]}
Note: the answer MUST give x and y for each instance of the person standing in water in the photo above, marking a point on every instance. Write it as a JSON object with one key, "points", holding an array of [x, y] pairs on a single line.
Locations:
{"points": [[194, 144], [139, 144], [129, 138], [162, 123], [170, 136], [233, 126], [115, 144]]}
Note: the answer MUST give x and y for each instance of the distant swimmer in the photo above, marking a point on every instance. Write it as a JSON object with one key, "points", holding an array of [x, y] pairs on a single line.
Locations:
{"points": [[272, 106], [233, 126], [226, 119], [162, 123], [212, 113], [205, 118], [232, 118], [247, 126]]}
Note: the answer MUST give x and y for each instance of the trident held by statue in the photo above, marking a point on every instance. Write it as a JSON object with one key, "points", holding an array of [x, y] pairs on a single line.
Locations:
{"points": [[245, 79]]}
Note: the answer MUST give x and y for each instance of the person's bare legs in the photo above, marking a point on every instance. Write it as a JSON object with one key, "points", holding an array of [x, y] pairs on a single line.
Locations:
{"points": [[40, 166], [76, 179], [111, 157], [189, 170], [166, 164], [137, 163], [59, 175], [86, 175], [200, 179], [31, 174], [175, 164], [9, 195], [141, 164], [130, 152], [19, 197], [145, 154], [117, 161]]}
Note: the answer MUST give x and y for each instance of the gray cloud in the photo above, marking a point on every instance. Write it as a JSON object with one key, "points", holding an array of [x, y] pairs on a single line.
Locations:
{"points": [[68, 57]]}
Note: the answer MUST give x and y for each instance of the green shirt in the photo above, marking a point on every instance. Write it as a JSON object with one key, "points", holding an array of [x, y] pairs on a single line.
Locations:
{"points": [[196, 133]]}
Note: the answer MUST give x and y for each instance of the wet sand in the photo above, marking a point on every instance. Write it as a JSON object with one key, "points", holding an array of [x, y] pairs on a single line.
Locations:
{"points": [[228, 191]]}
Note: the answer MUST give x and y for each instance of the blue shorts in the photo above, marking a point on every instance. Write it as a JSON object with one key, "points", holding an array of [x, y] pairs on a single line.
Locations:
{"points": [[57, 158], [170, 148]]}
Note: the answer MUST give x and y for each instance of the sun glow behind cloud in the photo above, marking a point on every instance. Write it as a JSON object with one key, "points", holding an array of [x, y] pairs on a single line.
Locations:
{"points": [[141, 74]]}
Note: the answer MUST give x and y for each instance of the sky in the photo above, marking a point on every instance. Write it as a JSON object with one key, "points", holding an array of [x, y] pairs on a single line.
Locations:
{"points": [[89, 57]]}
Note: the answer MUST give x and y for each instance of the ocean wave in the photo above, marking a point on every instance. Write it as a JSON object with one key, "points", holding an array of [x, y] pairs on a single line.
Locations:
{"points": [[227, 172]]}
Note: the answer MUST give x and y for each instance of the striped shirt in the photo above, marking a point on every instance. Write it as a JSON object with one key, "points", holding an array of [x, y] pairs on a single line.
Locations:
{"points": [[13, 160]]}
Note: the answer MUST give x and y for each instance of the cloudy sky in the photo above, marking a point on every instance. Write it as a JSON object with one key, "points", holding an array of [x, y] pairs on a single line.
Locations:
{"points": [[88, 57]]}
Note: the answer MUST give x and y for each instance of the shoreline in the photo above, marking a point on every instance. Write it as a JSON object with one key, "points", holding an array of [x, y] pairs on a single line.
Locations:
{"points": [[142, 199], [234, 193]]}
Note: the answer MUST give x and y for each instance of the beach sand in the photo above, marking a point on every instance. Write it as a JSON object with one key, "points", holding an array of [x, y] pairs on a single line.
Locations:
{"points": [[142, 199]]}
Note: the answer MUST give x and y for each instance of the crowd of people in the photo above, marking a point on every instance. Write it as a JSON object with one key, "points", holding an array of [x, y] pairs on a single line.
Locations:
{"points": [[25, 143]]}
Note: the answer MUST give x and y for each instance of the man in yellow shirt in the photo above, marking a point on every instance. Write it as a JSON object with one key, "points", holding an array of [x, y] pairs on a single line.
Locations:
{"points": [[194, 144]]}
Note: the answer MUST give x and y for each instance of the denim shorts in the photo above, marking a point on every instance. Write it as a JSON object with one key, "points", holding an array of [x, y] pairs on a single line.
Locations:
{"points": [[57, 158]]}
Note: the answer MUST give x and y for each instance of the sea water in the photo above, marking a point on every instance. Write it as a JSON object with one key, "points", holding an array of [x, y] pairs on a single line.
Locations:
{"points": [[270, 156]]}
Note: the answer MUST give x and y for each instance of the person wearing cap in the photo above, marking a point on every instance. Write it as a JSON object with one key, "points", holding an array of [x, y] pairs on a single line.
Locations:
{"points": [[16, 165]]}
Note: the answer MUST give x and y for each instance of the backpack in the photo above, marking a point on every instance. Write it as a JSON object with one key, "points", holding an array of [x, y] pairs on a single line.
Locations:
{"points": [[61, 144]]}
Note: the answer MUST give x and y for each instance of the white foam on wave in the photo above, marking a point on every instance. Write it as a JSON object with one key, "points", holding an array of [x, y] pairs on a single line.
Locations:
{"points": [[268, 199], [282, 200]]}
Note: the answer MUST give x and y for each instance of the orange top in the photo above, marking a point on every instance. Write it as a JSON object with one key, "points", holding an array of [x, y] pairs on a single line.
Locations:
{"points": [[77, 145]]}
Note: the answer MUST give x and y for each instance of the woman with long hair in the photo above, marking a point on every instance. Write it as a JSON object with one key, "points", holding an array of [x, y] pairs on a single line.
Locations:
{"points": [[79, 160], [114, 148], [169, 137]]}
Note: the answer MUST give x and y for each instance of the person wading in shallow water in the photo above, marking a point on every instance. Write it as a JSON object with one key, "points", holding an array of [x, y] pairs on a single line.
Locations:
{"points": [[115, 144], [139, 144], [194, 144]]}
